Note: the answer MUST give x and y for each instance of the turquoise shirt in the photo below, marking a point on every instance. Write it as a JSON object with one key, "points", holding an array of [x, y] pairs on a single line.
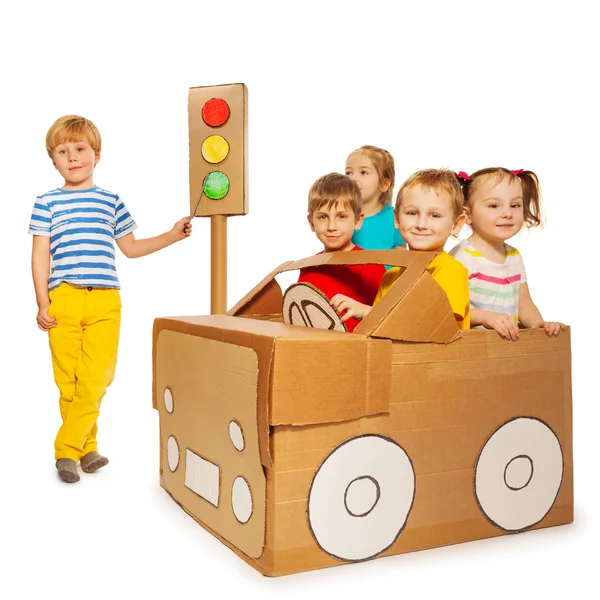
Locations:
{"points": [[378, 231]]}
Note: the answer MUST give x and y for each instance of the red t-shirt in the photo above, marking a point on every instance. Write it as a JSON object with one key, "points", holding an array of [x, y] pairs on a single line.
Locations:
{"points": [[359, 282]]}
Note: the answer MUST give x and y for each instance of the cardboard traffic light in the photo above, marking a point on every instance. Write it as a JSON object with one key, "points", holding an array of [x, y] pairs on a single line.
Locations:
{"points": [[218, 149]]}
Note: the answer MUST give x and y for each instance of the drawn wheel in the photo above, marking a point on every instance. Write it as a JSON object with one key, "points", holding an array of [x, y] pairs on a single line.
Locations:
{"points": [[360, 497], [518, 473]]}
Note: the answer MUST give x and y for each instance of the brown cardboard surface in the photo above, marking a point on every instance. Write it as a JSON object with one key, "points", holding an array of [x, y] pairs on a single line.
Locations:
{"points": [[243, 332], [411, 317], [400, 313], [262, 298], [442, 412], [415, 309], [441, 404], [264, 564], [209, 395], [311, 381], [260, 336], [300, 559], [268, 302], [234, 165], [401, 258]]}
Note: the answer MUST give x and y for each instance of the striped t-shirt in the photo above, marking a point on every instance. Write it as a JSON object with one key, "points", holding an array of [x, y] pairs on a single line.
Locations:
{"points": [[82, 226], [493, 286]]}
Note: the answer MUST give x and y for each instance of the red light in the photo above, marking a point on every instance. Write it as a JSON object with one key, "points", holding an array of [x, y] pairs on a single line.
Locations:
{"points": [[215, 112]]}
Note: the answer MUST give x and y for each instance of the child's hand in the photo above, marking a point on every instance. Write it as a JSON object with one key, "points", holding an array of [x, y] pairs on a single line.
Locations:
{"points": [[348, 307], [44, 321], [552, 327], [182, 229], [502, 323]]}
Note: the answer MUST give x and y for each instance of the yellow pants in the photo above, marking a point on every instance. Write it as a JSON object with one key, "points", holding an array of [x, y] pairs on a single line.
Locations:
{"points": [[84, 356]]}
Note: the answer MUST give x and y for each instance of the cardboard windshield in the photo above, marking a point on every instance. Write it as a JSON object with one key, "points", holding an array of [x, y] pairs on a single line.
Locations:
{"points": [[415, 309]]}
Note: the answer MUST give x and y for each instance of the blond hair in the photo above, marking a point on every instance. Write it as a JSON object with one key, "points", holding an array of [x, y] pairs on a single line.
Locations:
{"points": [[532, 195], [73, 128], [383, 162], [333, 189], [437, 180]]}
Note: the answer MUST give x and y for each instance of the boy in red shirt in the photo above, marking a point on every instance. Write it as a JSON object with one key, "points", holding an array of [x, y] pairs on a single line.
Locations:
{"points": [[334, 214]]}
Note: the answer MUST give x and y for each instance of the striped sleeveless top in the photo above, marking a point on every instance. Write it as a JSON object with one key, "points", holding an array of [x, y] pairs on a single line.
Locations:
{"points": [[493, 286]]}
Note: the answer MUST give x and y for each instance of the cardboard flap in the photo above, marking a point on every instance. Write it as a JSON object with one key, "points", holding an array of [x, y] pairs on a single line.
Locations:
{"points": [[318, 380], [268, 301], [266, 296], [415, 309], [238, 332], [263, 299], [395, 258], [423, 314], [210, 440]]}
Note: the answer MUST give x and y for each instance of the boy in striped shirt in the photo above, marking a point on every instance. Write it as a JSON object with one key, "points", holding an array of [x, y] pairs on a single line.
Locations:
{"points": [[74, 228]]}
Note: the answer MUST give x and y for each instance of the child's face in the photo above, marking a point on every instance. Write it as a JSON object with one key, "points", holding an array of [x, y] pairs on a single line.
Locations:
{"points": [[495, 210], [360, 168], [334, 227], [426, 219], [75, 161]]}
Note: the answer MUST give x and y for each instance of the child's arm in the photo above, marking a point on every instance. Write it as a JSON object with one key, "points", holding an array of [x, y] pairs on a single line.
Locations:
{"points": [[133, 248], [530, 316], [40, 269], [352, 308], [499, 321]]}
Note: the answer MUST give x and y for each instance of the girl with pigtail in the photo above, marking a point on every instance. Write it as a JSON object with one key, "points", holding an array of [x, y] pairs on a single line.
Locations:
{"points": [[373, 169], [498, 202]]}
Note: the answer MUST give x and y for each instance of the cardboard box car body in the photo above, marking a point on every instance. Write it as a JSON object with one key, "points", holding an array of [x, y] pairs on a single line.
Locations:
{"points": [[304, 448]]}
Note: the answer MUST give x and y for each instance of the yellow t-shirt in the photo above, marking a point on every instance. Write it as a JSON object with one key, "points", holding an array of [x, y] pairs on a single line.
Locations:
{"points": [[452, 277]]}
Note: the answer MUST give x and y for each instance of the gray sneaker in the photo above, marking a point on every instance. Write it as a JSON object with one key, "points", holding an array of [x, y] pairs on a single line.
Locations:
{"points": [[92, 461], [67, 470]]}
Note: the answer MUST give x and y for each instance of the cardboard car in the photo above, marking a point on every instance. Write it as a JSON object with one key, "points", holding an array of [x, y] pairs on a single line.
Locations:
{"points": [[302, 448]]}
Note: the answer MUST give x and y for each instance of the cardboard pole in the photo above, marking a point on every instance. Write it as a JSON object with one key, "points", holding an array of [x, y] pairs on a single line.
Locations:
{"points": [[218, 264]]}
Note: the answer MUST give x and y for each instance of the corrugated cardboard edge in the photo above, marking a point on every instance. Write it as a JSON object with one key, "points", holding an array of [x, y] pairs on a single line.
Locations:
{"points": [[186, 325], [397, 306], [246, 169]]}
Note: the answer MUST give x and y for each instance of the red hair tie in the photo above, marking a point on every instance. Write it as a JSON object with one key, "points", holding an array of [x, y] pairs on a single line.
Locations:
{"points": [[464, 177], [517, 172]]}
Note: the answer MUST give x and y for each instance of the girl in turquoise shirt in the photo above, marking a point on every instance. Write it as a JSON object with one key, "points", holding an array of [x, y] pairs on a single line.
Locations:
{"points": [[373, 170]]}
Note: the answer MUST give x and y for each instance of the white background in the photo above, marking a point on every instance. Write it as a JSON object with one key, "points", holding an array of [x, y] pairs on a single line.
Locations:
{"points": [[457, 84]]}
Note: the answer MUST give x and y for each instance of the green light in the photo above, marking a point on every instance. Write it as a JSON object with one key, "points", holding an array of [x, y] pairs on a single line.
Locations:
{"points": [[216, 186]]}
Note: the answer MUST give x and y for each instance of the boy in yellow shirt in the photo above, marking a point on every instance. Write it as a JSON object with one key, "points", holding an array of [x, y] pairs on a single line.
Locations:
{"points": [[429, 208]]}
